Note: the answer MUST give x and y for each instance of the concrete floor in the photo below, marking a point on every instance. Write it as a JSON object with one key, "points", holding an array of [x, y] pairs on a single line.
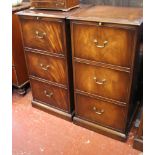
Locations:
{"points": [[38, 133]]}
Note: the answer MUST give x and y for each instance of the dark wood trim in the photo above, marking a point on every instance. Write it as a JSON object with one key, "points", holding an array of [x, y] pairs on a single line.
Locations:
{"points": [[134, 77], [37, 51], [115, 26], [101, 64], [100, 129], [69, 65], [100, 97], [52, 110], [41, 16], [48, 82]]}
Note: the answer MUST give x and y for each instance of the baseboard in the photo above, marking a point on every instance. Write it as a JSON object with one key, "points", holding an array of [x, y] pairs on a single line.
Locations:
{"points": [[100, 129], [138, 144], [52, 110]]}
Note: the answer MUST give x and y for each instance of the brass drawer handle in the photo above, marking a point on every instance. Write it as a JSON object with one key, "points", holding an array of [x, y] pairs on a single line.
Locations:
{"points": [[48, 94], [98, 112], [45, 68], [99, 82], [40, 35], [100, 46]]}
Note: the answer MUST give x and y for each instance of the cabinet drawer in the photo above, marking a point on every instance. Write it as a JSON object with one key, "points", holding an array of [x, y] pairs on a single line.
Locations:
{"points": [[109, 83], [101, 112], [43, 34], [55, 4], [49, 94], [14, 76], [47, 67], [103, 44]]}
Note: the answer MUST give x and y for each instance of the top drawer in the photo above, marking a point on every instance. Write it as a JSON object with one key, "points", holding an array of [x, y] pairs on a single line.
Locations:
{"points": [[103, 43], [43, 34]]}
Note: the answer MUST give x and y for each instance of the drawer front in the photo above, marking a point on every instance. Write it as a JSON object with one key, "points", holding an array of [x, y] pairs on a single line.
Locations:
{"points": [[47, 67], [101, 112], [104, 44], [102, 81], [14, 76], [55, 4], [43, 34], [50, 94]]}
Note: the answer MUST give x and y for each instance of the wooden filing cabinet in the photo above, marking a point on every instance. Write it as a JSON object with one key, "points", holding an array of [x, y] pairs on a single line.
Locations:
{"points": [[64, 5], [19, 71], [105, 43], [46, 36]]}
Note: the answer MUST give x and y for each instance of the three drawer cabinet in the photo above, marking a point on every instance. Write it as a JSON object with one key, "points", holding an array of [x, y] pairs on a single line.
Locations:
{"points": [[46, 37], [105, 43], [20, 78], [64, 5]]}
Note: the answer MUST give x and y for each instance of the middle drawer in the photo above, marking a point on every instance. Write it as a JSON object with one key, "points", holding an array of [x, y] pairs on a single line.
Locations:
{"points": [[102, 81], [47, 67]]}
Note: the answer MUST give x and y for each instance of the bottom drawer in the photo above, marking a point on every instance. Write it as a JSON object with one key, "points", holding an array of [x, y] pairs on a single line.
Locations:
{"points": [[101, 112], [49, 94], [14, 76]]}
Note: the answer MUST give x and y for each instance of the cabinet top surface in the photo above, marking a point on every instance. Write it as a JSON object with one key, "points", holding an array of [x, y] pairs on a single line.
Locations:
{"points": [[24, 5], [110, 14], [52, 13]]}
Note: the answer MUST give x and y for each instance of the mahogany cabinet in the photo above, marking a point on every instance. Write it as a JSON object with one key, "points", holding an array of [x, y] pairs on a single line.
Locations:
{"points": [[46, 37], [19, 71], [64, 5], [105, 57]]}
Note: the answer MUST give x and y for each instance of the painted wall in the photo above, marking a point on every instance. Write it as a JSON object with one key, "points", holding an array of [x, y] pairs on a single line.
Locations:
{"points": [[137, 3]]}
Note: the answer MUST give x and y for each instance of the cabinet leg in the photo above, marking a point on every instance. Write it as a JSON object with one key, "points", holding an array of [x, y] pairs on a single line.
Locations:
{"points": [[21, 91]]}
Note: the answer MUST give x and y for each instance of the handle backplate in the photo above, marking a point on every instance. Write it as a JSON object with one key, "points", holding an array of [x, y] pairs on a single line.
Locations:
{"points": [[40, 35], [44, 67], [98, 112], [99, 82], [100, 46], [48, 94]]}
